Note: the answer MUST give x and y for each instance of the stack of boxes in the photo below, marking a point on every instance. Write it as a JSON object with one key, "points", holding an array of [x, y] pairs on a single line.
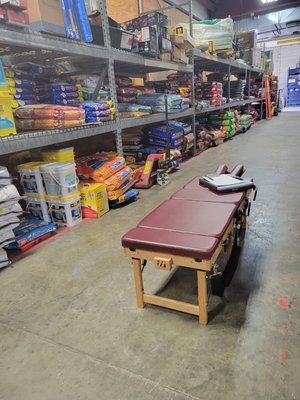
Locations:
{"points": [[182, 44], [151, 33], [14, 12]]}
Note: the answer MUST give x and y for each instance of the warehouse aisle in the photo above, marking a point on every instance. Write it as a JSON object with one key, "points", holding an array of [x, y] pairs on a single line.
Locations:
{"points": [[70, 328]]}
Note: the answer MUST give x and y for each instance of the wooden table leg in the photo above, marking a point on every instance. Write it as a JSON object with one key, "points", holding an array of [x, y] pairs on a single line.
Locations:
{"points": [[202, 297], [138, 279]]}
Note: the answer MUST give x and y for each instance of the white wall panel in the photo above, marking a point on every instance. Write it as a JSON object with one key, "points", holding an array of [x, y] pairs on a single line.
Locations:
{"points": [[285, 57]]}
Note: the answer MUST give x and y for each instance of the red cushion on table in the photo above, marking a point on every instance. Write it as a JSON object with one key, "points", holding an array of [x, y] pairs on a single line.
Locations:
{"points": [[206, 195], [194, 184], [195, 217], [176, 243]]}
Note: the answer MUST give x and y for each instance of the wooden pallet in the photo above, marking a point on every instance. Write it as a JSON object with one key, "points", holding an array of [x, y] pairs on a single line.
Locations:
{"points": [[225, 53]]}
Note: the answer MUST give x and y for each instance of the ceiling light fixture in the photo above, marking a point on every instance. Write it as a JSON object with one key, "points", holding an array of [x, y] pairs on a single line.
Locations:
{"points": [[268, 1]]}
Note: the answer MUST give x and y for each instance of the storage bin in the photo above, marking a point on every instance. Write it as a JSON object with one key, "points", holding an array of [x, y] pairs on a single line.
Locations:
{"points": [[31, 179], [38, 208], [60, 179], [65, 211], [60, 155]]}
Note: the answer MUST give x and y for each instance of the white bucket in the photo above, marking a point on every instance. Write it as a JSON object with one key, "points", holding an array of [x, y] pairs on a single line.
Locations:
{"points": [[65, 212], [38, 208], [31, 179], [60, 179]]}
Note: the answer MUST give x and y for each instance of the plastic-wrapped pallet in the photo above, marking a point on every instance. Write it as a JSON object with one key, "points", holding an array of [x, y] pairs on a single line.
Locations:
{"points": [[219, 30]]}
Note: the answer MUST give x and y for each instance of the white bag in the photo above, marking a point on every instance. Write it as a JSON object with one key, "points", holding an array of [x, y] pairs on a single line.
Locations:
{"points": [[4, 260], [8, 193], [5, 178]]}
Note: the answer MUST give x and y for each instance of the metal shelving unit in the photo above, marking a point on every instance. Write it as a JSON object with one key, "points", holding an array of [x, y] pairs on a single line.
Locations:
{"points": [[155, 118], [35, 139], [19, 45], [228, 105]]}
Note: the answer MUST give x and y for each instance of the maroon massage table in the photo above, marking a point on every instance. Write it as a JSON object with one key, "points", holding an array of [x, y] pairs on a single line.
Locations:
{"points": [[189, 230]]}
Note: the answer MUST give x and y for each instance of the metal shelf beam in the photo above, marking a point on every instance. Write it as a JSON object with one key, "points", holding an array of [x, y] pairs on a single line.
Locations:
{"points": [[228, 105], [154, 118], [35, 139], [212, 62], [20, 41], [125, 60]]}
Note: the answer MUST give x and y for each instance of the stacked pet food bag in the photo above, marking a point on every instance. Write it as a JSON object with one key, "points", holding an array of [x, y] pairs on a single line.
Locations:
{"points": [[10, 211], [237, 88], [133, 146], [175, 102], [245, 122], [111, 172], [208, 135], [98, 111], [179, 137], [176, 83], [43, 116], [60, 93], [225, 120], [127, 99], [200, 101], [210, 91], [87, 84], [21, 87]]}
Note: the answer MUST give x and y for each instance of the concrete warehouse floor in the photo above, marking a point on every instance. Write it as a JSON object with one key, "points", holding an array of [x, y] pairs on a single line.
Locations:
{"points": [[69, 324]]}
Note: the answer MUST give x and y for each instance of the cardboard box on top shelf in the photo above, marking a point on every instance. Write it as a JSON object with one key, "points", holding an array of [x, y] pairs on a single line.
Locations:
{"points": [[166, 57], [46, 16], [120, 39], [165, 46], [14, 16], [182, 31], [22, 4], [138, 81], [179, 55], [181, 42], [148, 41]]}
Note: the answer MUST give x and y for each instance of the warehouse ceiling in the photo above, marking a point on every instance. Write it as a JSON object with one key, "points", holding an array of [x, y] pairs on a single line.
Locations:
{"points": [[243, 8]]}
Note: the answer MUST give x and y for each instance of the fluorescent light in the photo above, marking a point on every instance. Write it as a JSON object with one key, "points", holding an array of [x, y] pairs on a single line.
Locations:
{"points": [[268, 1]]}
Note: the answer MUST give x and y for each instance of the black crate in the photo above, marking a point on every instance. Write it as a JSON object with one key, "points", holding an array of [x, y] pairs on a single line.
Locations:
{"points": [[148, 43]]}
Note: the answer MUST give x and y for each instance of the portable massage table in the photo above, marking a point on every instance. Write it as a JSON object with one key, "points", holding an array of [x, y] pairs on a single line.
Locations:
{"points": [[190, 230]]}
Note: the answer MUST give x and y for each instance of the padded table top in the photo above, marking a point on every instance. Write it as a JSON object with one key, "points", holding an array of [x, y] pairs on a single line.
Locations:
{"points": [[177, 243], [206, 195], [192, 217], [194, 184]]}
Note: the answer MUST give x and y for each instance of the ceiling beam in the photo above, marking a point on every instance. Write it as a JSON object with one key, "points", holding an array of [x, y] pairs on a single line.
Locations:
{"points": [[208, 4], [242, 8]]}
